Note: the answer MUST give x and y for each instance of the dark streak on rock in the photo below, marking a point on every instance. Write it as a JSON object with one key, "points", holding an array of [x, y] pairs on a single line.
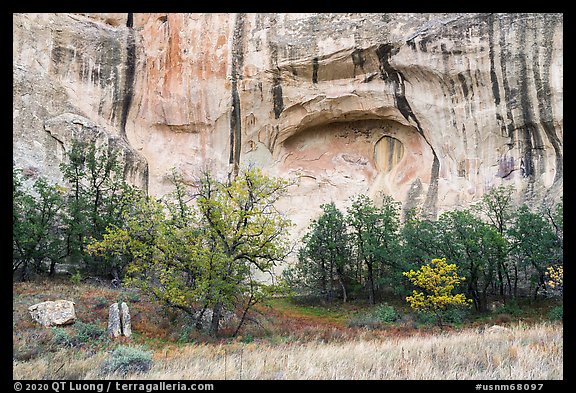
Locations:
{"points": [[395, 77], [451, 86], [506, 166], [422, 44], [388, 73], [277, 97], [128, 92], [504, 57], [235, 115], [370, 77], [414, 193], [315, 70], [544, 94], [277, 94], [358, 60], [462, 80], [529, 129], [432, 196], [493, 77]]}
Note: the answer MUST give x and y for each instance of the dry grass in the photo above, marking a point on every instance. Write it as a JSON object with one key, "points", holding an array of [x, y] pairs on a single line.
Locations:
{"points": [[524, 353]]}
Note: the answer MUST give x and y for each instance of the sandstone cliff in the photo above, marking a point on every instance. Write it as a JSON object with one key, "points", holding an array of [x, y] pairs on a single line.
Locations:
{"points": [[433, 109]]}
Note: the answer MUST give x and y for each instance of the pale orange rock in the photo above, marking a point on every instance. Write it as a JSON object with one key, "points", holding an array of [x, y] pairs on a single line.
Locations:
{"points": [[474, 101]]}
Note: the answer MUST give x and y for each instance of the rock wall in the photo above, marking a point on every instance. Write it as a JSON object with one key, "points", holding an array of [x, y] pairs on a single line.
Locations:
{"points": [[433, 109], [71, 78]]}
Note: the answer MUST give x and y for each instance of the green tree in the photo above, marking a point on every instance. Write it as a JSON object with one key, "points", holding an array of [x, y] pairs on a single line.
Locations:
{"points": [[206, 255], [435, 282], [36, 226], [556, 219], [497, 207], [324, 259], [375, 235], [419, 240], [534, 241], [477, 246], [97, 197]]}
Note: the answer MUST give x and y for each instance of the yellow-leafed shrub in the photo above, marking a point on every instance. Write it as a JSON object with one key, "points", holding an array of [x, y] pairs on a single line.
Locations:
{"points": [[436, 281]]}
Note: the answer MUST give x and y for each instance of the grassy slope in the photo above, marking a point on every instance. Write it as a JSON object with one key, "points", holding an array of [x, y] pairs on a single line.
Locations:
{"points": [[290, 341]]}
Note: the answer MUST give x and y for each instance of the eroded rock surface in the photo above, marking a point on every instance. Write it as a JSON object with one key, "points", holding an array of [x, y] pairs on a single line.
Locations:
{"points": [[125, 320], [433, 109], [114, 321]]}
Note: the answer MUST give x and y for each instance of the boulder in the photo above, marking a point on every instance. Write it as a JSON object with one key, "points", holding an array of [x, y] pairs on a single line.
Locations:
{"points": [[498, 329], [226, 318], [119, 320], [125, 320], [114, 323], [53, 313]]}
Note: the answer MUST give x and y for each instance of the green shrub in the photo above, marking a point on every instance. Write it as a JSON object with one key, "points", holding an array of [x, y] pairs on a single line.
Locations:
{"points": [[511, 308], [88, 331], [382, 314], [386, 313], [365, 320], [426, 318], [133, 296], [100, 302], [61, 337], [556, 314], [247, 339], [76, 278], [185, 333], [124, 360], [454, 315]]}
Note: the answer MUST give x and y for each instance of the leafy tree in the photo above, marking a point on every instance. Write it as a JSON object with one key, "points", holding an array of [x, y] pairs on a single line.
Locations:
{"points": [[435, 280], [374, 233], [420, 240], [534, 240], [36, 226], [205, 256], [390, 268], [97, 197], [477, 247], [556, 219], [324, 258], [497, 207]]}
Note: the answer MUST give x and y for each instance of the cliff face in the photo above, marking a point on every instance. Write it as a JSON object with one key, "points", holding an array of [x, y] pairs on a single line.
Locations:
{"points": [[433, 109]]}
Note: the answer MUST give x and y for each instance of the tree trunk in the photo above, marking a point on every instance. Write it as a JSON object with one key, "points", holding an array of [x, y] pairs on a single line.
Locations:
{"points": [[24, 271], [344, 295], [484, 301], [52, 271], [515, 281], [198, 324], [501, 282], [541, 284], [243, 317], [116, 279], [439, 319], [216, 315], [371, 292], [324, 288]]}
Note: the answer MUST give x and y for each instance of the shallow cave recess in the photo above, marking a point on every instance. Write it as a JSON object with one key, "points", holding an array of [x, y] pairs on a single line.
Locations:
{"points": [[373, 156]]}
